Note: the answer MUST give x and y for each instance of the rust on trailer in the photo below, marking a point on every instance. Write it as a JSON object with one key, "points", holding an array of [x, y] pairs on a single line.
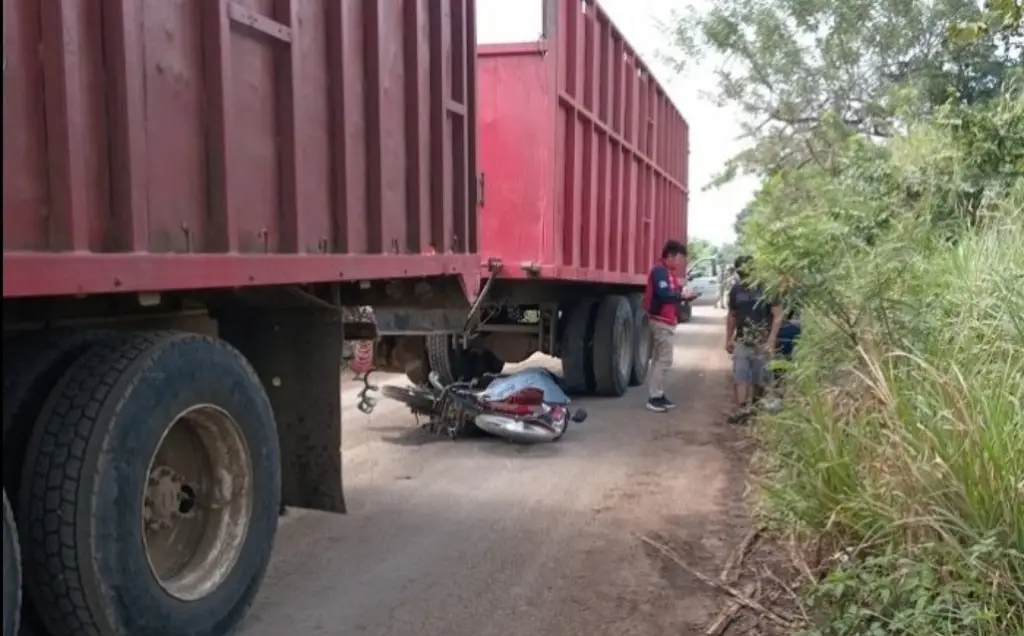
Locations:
{"points": [[186, 144], [584, 154]]}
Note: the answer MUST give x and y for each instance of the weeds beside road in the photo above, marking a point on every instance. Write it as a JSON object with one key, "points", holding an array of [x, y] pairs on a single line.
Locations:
{"points": [[900, 456]]}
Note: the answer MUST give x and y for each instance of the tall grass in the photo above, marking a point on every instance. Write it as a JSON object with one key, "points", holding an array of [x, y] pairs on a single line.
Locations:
{"points": [[902, 442]]}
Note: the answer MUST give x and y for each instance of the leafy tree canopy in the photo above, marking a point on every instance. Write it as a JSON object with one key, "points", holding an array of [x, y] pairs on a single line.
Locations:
{"points": [[807, 74], [698, 249], [727, 253]]}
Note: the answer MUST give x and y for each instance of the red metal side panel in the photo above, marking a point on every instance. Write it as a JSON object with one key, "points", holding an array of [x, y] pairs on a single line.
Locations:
{"points": [[181, 144], [517, 128], [594, 195]]}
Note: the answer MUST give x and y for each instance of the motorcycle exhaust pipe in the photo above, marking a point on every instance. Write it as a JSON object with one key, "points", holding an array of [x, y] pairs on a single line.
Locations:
{"points": [[515, 429], [521, 430]]}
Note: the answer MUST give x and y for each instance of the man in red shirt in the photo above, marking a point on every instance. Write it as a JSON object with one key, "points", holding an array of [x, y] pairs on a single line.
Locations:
{"points": [[662, 298]]}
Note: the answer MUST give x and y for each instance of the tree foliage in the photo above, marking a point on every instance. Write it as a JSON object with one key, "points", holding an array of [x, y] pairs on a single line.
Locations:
{"points": [[699, 249], [727, 253], [890, 139], [903, 438], [702, 249], [1003, 17], [741, 219], [807, 74]]}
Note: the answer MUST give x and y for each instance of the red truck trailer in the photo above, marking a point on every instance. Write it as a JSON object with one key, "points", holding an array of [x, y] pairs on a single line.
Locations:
{"points": [[192, 189], [584, 177], [196, 190]]}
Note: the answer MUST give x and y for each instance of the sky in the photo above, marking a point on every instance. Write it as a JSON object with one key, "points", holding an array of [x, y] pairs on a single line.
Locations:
{"points": [[714, 131]]}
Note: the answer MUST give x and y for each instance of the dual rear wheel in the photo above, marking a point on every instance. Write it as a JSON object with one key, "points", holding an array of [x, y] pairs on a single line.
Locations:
{"points": [[149, 491], [606, 345]]}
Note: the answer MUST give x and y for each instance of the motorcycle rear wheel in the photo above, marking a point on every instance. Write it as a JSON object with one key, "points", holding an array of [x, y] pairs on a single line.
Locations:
{"points": [[415, 398]]}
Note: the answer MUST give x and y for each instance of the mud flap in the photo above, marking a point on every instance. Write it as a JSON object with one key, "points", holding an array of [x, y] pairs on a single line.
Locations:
{"points": [[297, 354]]}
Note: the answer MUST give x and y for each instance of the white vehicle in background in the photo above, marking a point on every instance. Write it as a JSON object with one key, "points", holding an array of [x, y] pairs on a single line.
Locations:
{"points": [[702, 277]]}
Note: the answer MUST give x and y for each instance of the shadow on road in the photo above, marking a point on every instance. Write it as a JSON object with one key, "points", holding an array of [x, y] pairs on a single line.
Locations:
{"points": [[480, 442], [412, 436]]}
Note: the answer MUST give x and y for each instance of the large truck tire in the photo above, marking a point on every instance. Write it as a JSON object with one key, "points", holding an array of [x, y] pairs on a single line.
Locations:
{"points": [[446, 359], [32, 365], [613, 346], [643, 343], [453, 363], [151, 490], [439, 357], [12, 571], [577, 347]]}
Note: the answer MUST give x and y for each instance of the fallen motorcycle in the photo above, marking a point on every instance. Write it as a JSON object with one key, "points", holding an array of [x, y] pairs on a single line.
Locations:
{"points": [[525, 407]]}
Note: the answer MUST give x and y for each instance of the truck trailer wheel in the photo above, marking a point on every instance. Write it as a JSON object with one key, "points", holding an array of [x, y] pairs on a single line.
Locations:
{"points": [[577, 347], [151, 490], [12, 571], [451, 361], [613, 346], [32, 365], [643, 343]]}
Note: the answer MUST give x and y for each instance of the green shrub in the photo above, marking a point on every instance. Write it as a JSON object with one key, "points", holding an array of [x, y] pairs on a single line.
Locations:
{"points": [[903, 434]]}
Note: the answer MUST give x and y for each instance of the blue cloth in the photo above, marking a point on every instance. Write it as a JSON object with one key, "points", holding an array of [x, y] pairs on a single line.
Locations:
{"points": [[789, 333], [662, 295], [662, 286]]}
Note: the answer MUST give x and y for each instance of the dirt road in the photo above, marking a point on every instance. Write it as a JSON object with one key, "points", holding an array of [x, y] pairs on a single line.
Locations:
{"points": [[489, 539]]}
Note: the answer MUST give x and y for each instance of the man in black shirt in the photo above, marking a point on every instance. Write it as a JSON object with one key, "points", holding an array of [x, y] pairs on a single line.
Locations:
{"points": [[751, 335]]}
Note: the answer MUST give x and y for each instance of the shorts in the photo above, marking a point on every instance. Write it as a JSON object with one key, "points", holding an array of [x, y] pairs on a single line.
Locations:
{"points": [[750, 366]]}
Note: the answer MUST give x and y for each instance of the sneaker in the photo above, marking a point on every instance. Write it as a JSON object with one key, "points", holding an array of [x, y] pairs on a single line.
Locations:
{"points": [[657, 405], [667, 403]]}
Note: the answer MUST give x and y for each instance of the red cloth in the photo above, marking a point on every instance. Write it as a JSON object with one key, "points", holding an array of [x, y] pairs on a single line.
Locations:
{"points": [[662, 278]]}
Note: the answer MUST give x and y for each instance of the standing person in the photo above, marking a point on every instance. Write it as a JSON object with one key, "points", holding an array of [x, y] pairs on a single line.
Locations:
{"points": [[662, 297], [751, 336]]}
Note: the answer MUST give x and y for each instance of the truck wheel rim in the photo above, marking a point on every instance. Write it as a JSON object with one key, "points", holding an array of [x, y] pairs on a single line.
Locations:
{"points": [[197, 503]]}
